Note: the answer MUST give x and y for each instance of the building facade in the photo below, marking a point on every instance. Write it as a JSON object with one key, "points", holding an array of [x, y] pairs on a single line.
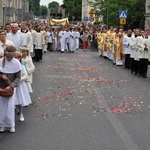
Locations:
{"points": [[88, 13], [147, 15], [85, 10], [13, 10]]}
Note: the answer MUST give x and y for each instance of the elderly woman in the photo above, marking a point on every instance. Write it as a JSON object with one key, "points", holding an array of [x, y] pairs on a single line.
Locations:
{"points": [[9, 68]]}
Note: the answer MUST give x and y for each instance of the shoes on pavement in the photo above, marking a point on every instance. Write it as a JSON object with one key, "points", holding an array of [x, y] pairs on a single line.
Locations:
{"points": [[35, 58], [18, 112], [12, 130], [2, 129], [21, 117], [145, 77]]}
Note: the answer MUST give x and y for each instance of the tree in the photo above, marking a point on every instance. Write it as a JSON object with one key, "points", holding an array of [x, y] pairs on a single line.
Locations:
{"points": [[53, 6], [31, 5], [73, 9], [43, 10], [109, 9], [34, 5]]}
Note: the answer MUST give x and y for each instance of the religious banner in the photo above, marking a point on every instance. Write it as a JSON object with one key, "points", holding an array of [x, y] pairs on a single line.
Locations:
{"points": [[59, 22]]}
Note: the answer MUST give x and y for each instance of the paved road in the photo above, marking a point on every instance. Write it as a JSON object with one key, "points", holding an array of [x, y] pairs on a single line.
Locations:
{"points": [[83, 102]]}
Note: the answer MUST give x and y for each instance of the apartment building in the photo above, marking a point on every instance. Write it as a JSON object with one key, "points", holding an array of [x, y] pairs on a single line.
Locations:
{"points": [[85, 9], [147, 15], [13, 10]]}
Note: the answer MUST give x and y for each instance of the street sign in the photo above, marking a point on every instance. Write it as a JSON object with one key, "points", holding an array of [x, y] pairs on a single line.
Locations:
{"points": [[91, 19], [123, 14], [85, 18], [91, 13], [123, 21], [96, 19]]}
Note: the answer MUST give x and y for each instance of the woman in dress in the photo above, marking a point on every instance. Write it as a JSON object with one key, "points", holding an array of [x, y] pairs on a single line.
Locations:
{"points": [[22, 93], [9, 68]]}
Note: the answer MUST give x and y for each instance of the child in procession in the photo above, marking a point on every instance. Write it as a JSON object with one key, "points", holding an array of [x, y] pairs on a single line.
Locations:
{"points": [[22, 93], [29, 66]]}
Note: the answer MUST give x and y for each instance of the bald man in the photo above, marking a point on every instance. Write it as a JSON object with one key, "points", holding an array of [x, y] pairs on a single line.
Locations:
{"points": [[16, 37]]}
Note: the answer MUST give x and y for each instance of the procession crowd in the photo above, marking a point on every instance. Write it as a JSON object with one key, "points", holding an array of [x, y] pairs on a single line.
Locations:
{"points": [[20, 45], [25, 42], [130, 48]]}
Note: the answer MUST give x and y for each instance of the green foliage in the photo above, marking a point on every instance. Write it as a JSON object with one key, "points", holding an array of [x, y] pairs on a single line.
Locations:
{"points": [[53, 6], [34, 5], [73, 8], [135, 17], [43, 10], [31, 5]]}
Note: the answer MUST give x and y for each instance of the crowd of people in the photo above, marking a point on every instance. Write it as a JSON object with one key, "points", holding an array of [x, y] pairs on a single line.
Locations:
{"points": [[16, 65], [130, 48], [23, 42], [20, 45]]}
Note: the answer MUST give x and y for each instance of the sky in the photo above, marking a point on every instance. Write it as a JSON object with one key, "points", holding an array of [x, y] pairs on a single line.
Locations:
{"points": [[46, 2]]}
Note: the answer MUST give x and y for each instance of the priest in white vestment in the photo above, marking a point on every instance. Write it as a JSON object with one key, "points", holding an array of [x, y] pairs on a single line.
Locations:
{"points": [[16, 37]]}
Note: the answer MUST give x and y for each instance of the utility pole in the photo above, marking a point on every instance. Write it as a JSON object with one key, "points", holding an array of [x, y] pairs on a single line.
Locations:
{"points": [[1, 13], [64, 10], [107, 15], [73, 17]]}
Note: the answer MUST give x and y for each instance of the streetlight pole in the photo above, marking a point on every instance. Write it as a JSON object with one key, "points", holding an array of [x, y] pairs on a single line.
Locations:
{"points": [[73, 12], [107, 14], [1, 13]]}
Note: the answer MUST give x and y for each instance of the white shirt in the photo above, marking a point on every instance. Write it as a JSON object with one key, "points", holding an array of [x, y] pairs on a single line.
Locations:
{"points": [[127, 48], [49, 37], [27, 39], [38, 40], [3, 46], [17, 40]]}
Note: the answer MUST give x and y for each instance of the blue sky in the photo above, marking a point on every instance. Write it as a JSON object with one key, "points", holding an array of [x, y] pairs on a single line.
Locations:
{"points": [[46, 2]]}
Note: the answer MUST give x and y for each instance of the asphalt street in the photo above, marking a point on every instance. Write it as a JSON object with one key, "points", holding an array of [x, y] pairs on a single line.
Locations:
{"points": [[83, 102]]}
